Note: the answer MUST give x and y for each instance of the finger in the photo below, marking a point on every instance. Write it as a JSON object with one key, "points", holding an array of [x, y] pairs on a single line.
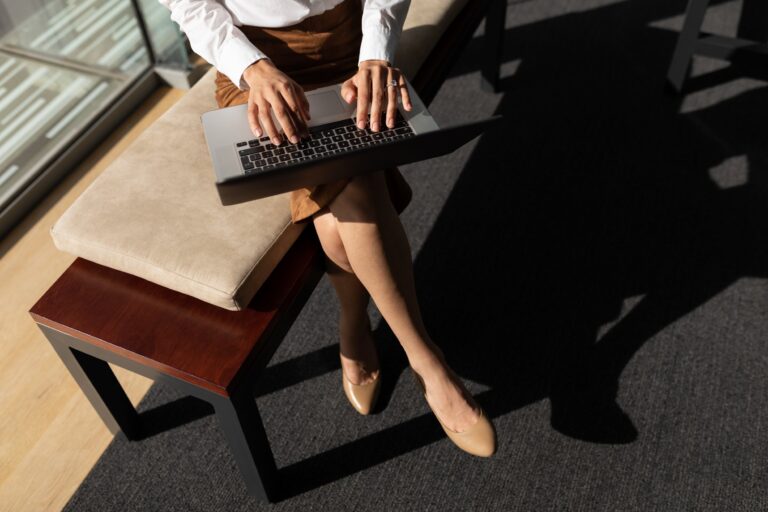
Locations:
{"points": [[349, 91], [303, 100], [391, 98], [283, 115], [253, 117], [363, 98], [301, 111], [377, 97], [403, 88], [294, 111], [265, 118]]}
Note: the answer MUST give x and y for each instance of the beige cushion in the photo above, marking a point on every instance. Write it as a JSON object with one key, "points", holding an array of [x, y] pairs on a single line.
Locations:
{"points": [[155, 213], [426, 22]]}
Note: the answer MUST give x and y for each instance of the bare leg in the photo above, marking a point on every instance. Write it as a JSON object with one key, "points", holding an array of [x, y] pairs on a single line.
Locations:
{"points": [[359, 359], [378, 252]]}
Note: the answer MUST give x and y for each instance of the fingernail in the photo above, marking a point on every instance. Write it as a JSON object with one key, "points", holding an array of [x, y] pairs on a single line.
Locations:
{"points": [[361, 125], [257, 133], [348, 97], [390, 122], [294, 139], [375, 127]]}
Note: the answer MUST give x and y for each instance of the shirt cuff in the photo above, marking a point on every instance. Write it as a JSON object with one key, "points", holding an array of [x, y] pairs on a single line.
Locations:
{"points": [[378, 44], [236, 55]]}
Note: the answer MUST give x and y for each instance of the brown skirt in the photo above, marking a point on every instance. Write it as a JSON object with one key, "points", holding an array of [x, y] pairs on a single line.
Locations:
{"points": [[319, 51]]}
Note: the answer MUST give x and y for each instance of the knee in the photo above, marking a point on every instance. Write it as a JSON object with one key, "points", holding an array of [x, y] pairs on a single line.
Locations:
{"points": [[338, 256], [331, 243]]}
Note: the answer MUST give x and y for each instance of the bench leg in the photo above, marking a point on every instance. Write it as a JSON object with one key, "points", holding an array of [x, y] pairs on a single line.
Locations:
{"points": [[493, 42], [240, 420], [686, 43], [101, 387]]}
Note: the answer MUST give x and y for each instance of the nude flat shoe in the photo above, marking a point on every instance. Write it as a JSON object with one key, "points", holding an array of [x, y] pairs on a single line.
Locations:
{"points": [[478, 439], [361, 396]]}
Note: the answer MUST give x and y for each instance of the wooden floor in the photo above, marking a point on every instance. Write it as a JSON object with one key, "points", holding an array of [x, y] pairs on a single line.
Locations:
{"points": [[50, 437]]}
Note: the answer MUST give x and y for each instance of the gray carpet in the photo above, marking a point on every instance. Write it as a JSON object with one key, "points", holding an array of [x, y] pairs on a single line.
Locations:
{"points": [[596, 271]]}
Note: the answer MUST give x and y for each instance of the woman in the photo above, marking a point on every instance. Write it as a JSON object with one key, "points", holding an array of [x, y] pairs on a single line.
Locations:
{"points": [[267, 54]]}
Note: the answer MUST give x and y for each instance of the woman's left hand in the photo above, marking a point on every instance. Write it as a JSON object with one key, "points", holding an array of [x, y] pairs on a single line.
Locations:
{"points": [[374, 85]]}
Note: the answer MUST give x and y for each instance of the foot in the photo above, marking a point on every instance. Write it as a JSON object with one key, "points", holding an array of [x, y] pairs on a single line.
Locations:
{"points": [[447, 396], [359, 360]]}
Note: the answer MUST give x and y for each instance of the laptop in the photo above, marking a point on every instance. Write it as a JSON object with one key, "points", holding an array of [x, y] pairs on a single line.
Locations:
{"points": [[247, 167]]}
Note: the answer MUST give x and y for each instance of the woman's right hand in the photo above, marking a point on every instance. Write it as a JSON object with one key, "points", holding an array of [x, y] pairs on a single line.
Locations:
{"points": [[272, 90]]}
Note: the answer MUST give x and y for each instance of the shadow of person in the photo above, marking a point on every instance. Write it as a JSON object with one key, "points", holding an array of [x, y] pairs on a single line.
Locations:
{"points": [[714, 238], [596, 190]]}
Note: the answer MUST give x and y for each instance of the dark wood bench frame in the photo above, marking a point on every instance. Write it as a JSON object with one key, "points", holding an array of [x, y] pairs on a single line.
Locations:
{"points": [[93, 315]]}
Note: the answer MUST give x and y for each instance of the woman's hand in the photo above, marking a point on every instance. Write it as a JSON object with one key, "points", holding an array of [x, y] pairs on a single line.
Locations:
{"points": [[272, 90], [374, 84]]}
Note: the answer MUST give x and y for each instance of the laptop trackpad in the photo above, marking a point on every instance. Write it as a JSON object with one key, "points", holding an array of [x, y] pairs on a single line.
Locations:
{"points": [[326, 106]]}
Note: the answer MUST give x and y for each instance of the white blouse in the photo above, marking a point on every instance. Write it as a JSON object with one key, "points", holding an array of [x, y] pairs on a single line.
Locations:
{"points": [[211, 26]]}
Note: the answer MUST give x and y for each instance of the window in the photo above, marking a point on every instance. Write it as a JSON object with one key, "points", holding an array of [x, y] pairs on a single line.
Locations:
{"points": [[63, 64]]}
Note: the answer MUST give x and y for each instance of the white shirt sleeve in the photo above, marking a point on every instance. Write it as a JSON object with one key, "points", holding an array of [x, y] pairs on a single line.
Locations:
{"points": [[382, 25], [214, 36]]}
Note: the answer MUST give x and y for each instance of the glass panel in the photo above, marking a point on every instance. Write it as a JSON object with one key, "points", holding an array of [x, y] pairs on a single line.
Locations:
{"points": [[101, 34], [167, 40], [62, 63], [41, 106]]}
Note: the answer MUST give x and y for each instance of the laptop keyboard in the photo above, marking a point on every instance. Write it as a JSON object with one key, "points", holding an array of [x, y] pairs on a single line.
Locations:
{"points": [[323, 141]]}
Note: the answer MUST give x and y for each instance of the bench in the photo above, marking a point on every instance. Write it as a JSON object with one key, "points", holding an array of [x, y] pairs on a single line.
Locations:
{"points": [[210, 341]]}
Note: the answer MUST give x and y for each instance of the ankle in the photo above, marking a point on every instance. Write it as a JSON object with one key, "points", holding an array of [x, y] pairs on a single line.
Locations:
{"points": [[359, 371], [358, 349], [429, 364]]}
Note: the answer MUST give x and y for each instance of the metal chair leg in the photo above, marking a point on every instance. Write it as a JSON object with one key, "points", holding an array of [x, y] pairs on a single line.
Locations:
{"points": [[493, 42], [686, 43]]}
